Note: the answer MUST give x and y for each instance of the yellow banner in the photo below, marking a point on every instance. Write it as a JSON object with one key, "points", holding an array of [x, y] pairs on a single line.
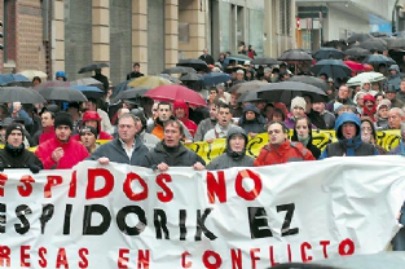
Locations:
{"points": [[208, 151]]}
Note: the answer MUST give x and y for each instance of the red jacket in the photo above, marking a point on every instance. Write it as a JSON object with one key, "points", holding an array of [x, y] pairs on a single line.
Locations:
{"points": [[286, 152], [47, 133], [74, 152]]}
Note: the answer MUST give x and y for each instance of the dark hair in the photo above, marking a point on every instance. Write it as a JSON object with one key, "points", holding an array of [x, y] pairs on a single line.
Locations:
{"points": [[309, 124], [47, 111], [223, 105], [164, 103], [277, 110], [176, 122], [36, 78], [283, 126], [373, 132], [136, 64]]}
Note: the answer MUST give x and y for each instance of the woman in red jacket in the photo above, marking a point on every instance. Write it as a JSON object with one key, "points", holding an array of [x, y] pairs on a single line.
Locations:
{"points": [[92, 119]]}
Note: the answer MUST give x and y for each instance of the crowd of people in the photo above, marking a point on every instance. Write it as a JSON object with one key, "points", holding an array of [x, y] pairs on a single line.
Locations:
{"points": [[155, 135]]}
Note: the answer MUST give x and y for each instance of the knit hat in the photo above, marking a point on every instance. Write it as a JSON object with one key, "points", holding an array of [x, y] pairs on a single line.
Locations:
{"points": [[384, 103], [12, 127], [298, 101], [63, 118], [86, 129]]}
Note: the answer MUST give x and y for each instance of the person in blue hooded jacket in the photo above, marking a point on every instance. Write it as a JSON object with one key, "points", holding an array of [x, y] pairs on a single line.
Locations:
{"points": [[348, 133]]}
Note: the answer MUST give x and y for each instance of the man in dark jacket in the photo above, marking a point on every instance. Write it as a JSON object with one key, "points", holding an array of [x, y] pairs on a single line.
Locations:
{"points": [[348, 133], [235, 154], [251, 121], [127, 148], [170, 151], [14, 154]]}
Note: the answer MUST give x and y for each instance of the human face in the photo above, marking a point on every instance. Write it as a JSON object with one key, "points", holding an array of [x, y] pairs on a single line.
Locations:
{"points": [[250, 115], [366, 86], [224, 116], [366, 132], [277, 136], [378, 99], [237, 143], [318, 107], [376, 86], [402, 86], [343, 92], [349, 130], [394, 120], [277, 116], [213, 112], [91, 106], [172, 135], [88, 139], [360, 100], [180, 113], [63, 133], [127, 129], [383, 112], [155, 110], [164, 113], [213, 95], [46, 120], [239, 76], [15, 139], [390, 95], [298, 112], [302, 129], [91, 123]]}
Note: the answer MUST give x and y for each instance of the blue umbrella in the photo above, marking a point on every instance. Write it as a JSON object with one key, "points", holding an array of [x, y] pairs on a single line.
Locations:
{"points": [[14, 80], [90, 91], [212, 79]]}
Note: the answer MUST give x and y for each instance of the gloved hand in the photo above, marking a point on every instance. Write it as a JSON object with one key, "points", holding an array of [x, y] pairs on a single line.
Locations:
{"points": [[34, 168]]}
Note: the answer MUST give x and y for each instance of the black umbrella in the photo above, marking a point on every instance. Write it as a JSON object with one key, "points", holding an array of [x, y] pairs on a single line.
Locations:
{"points": [[360, 37], [191, 77], [178, 70], [374, 44], [20, 94], [247, 86], [131, 93], [295, 55], [63, 94], [357, 52], [317, 82], [92, 67], [197, 64], [396, 43], [249, 96], [265, 61], [377, 59], [88, 81], [285, 91], [332, 68], [328, 53]]}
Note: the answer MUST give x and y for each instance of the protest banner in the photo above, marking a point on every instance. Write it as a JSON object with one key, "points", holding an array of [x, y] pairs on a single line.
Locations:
{"points": [[120, 216], [388, 140]]}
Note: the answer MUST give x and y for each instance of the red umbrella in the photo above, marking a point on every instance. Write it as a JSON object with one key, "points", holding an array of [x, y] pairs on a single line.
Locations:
{"points": [[355, 66], [175, 92]]}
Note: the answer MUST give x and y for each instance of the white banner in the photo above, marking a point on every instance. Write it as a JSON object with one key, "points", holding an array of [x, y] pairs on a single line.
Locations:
{"points": [[120, 216]]}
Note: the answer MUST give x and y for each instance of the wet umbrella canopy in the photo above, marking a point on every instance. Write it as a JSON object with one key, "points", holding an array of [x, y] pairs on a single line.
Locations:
{"points": [[92, 67], [20, 94], [285, 91]]}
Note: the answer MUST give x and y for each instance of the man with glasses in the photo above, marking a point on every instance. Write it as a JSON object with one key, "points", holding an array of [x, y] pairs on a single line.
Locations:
{"points": [[280, 149], [126, 148]]}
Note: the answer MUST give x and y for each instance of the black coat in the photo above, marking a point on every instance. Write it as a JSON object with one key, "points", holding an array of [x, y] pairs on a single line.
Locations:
{"points": [[178, 157], [19, 158]]}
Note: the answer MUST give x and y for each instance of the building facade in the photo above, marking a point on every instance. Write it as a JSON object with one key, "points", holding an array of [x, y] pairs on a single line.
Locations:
{"points": [[54, 35], [319, 21]]}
